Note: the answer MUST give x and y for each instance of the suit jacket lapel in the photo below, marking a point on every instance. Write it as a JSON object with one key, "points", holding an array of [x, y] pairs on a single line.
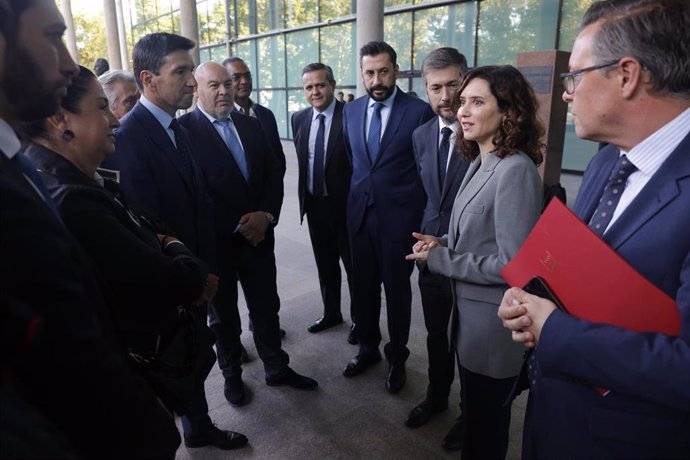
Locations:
{"points": [[363, 113], [591, 193], [333, 134], [431, 143], [396, 116], [220, 144]]}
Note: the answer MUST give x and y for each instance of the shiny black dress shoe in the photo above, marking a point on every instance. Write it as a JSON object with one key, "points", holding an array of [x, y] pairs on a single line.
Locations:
{"points": [[396, 378], [352, 338], [234, 390], [360, 363], [421, 414], [324, 323], [454, 438], [294, 380], [225, 440]]}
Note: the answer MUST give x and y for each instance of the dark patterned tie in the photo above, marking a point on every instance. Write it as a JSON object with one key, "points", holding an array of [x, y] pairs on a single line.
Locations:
{"points": [[183, 150], [374, 137], [319, 154], [443, 155], [612, 195]]}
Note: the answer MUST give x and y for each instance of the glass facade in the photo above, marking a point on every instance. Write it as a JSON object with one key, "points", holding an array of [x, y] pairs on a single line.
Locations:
{"points": [[278, 37]]}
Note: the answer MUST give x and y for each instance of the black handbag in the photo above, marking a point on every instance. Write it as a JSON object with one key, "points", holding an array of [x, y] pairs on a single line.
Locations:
{"points": [[182, 364]]}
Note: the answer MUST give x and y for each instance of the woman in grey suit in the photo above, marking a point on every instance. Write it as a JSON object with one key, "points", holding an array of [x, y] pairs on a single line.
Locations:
{"points": [[497, 205]]}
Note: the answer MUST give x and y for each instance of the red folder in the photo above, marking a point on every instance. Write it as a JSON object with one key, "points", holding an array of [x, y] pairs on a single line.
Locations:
{"points": [[590, 279]]}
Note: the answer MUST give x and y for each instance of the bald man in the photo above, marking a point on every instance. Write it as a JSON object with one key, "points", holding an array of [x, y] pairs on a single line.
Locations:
{"points": [[246, 184]]}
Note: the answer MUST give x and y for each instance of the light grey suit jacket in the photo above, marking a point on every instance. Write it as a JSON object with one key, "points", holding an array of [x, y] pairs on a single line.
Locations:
{"points": [[497, 205]]}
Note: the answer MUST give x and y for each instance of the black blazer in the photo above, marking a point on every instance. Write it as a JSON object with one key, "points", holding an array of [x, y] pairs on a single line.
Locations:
{"points": [[232, 195], [148, 284], [439, 201], [338, 167], [270, 127], [71, 369]]}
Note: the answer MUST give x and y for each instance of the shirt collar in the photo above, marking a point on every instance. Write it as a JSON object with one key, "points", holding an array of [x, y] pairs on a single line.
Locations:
{"points": [[9, 142], [388, 102], [330, 110], [211, 118], [453, 127], [161, 115], [241, 109]]}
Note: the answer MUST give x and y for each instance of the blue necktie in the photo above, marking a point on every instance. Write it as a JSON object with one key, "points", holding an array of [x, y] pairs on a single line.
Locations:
{"points": [[612, 195], [183, 150], [235, 147], [443, 155], [319, 154], [374, 137], [28, 168]]}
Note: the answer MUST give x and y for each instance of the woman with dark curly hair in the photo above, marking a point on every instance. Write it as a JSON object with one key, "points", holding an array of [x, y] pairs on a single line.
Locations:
{"points": [[498, 203]]}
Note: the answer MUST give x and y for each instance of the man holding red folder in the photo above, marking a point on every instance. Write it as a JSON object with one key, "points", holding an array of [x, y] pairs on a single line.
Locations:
{"points": [[629, 86]]}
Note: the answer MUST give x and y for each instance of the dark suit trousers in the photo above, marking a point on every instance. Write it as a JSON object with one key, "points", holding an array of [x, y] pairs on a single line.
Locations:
{"points": [[437, 304], [376, 258], [328, 233], [255, 268], [486, 409], [196, 420]]}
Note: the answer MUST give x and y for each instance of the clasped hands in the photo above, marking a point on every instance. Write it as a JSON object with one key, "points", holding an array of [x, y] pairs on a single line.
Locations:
{"points": [[524, 314], [420, 250], [253, 226]]}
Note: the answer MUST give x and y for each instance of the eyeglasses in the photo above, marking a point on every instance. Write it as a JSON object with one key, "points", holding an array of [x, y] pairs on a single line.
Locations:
{"points": [[570, 80]]}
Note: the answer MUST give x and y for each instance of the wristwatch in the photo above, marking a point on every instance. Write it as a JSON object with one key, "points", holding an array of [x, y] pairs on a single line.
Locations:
{"points": [[271, 219]]}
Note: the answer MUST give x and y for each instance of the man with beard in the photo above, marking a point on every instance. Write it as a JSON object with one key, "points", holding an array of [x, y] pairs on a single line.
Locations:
{"points": [[385, 206], [155, 164], [441, 170], [60, 361]]}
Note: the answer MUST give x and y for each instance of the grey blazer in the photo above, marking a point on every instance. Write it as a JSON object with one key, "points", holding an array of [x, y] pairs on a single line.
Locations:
{"points": [[497, 205]]}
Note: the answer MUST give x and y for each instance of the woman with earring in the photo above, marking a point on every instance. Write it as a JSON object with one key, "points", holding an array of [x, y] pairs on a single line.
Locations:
{"points": [[498, 203], [149, 272]]}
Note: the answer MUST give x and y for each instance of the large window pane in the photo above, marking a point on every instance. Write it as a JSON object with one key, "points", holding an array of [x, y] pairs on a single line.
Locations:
{"points": [[247, 51], [218, 53], [576, 152], [269, 15], [301, 12], [337, 51], [571, 13], [302, 48], [212, 22], [271, 62], [397, 31], [444, 26], [276, 101], [507, 27], [394, 3], [295, 103], [331, 9], [245, 12]]}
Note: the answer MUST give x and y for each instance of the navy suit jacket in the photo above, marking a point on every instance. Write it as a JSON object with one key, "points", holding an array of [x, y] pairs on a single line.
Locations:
{"points": [[439, 201], [647, 413], [232, 195], [338, 169], [392, 182], [152, 174], [270, 126]]}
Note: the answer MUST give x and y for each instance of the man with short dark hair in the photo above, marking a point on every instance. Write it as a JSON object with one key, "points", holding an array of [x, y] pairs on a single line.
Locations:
{"points": [[100, 66], [120, 88], [246, 185], [441, 169], [61, 361], [242, 90], [157, 166], [324, 181], [384, 207], [629, 86]]}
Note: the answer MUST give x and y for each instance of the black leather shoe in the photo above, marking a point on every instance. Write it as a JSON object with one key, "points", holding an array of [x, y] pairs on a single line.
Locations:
{"points": [[221, 439], [294, 380], [234, 390], [421, 414], [352, 338], [324, 323], [244, 356], [360, 363], [396, 378], [454, 438]]}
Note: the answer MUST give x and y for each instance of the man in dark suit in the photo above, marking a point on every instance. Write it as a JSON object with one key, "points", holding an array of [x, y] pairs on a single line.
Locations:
{"points": [[629, 86], [384, 207], [324, 181], [156, 166], [246, 185], [242, 90], [441, 169], [59, 355]]}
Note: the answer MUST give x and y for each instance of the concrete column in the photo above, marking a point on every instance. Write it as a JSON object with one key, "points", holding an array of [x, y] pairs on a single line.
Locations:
{"points": [[70, 36], [122, 35], [112, 40], [369, 27], [189, 23]]}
